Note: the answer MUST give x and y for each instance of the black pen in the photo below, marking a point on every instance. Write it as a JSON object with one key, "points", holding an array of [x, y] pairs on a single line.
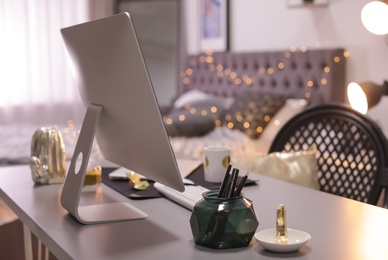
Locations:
{"points": [[224, 182], [241, 185], [228, 185], [233, 182]]}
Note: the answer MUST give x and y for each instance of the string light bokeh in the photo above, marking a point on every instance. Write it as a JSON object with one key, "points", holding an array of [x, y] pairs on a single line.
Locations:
{"points": [[246, 80]]}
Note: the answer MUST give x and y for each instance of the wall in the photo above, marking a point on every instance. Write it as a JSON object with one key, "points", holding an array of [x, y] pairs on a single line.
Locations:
{"points": [[273, 25]]}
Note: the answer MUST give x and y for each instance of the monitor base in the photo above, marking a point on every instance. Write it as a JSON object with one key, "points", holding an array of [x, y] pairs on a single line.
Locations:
{"points": [[109, 212], [72, 189]]}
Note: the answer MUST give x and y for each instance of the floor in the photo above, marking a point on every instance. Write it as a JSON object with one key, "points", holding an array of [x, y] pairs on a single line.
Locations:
{"points": [[12, 244]]}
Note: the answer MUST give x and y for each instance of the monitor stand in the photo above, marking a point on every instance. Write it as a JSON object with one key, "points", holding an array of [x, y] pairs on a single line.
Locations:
{"points": [[72, 189]]}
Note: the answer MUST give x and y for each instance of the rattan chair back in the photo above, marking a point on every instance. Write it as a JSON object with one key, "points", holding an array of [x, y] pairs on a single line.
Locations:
{"points": [[351, 150]]}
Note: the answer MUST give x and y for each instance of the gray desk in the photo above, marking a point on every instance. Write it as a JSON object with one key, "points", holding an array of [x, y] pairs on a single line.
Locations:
{"points": [[340, 228]]}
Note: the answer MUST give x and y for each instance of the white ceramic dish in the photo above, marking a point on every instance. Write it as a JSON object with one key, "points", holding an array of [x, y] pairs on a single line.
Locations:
{"points": [[296, 239]]}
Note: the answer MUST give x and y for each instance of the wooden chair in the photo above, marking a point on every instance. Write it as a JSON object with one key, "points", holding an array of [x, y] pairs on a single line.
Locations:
{"points": [[352, 151]]}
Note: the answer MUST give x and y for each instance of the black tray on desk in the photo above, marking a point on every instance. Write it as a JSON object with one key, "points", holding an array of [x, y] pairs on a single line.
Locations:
{"points": [[123, 187]]}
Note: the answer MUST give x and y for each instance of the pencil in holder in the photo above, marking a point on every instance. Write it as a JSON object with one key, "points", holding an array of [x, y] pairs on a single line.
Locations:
{"points": [[222, 223]]}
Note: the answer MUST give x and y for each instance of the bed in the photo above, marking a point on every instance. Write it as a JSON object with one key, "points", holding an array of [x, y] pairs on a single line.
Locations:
{"points": [[236, 99], [254, 94], [263, 88], [250, 91]]}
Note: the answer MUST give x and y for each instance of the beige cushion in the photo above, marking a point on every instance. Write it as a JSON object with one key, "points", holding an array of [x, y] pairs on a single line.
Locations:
{"points": [[295, 167]]}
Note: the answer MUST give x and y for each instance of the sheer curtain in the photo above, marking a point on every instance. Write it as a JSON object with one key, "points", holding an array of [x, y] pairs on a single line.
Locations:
{"points": [[35, 80]]}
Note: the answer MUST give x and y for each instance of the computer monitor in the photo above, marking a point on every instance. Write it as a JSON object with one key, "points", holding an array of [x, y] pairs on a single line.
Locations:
{"points": [[122, 113]]}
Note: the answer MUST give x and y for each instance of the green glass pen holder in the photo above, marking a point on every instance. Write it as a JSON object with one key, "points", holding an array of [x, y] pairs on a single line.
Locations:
{"points": [[222, 223]]}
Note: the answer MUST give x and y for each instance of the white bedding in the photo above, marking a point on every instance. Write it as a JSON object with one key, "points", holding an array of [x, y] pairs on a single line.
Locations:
{"points": [[15, 139], [240, 143], [15, 142]]}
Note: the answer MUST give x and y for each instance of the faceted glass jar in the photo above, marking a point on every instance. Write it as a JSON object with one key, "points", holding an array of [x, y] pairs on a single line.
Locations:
{"points": [[223, 223]]}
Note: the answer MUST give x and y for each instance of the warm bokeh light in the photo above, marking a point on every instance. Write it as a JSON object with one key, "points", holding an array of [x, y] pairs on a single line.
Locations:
{"points": [[186, 81], [169, 121], [357, 98], [238, 80], [189, 71], [374, 17]]}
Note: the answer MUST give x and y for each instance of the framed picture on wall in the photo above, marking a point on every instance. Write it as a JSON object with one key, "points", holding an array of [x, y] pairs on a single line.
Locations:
{"points": [[214, 35], [306, 3]]}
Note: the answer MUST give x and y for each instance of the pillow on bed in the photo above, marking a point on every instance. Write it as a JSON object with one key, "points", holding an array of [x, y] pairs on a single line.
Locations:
{"points": [[295, 167], [193, 120], [195, 96], [291, 108], [252, 111]]}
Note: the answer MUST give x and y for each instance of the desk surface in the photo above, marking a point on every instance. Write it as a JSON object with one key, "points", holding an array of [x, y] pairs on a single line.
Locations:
{"points": [[340, 228]]}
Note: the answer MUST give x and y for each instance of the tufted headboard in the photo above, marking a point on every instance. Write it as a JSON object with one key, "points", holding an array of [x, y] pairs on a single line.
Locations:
{"points": [[316, 75]]}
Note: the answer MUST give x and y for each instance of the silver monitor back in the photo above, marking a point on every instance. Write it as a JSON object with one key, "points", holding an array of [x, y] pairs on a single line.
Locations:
{"points": [[123, 112]]}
